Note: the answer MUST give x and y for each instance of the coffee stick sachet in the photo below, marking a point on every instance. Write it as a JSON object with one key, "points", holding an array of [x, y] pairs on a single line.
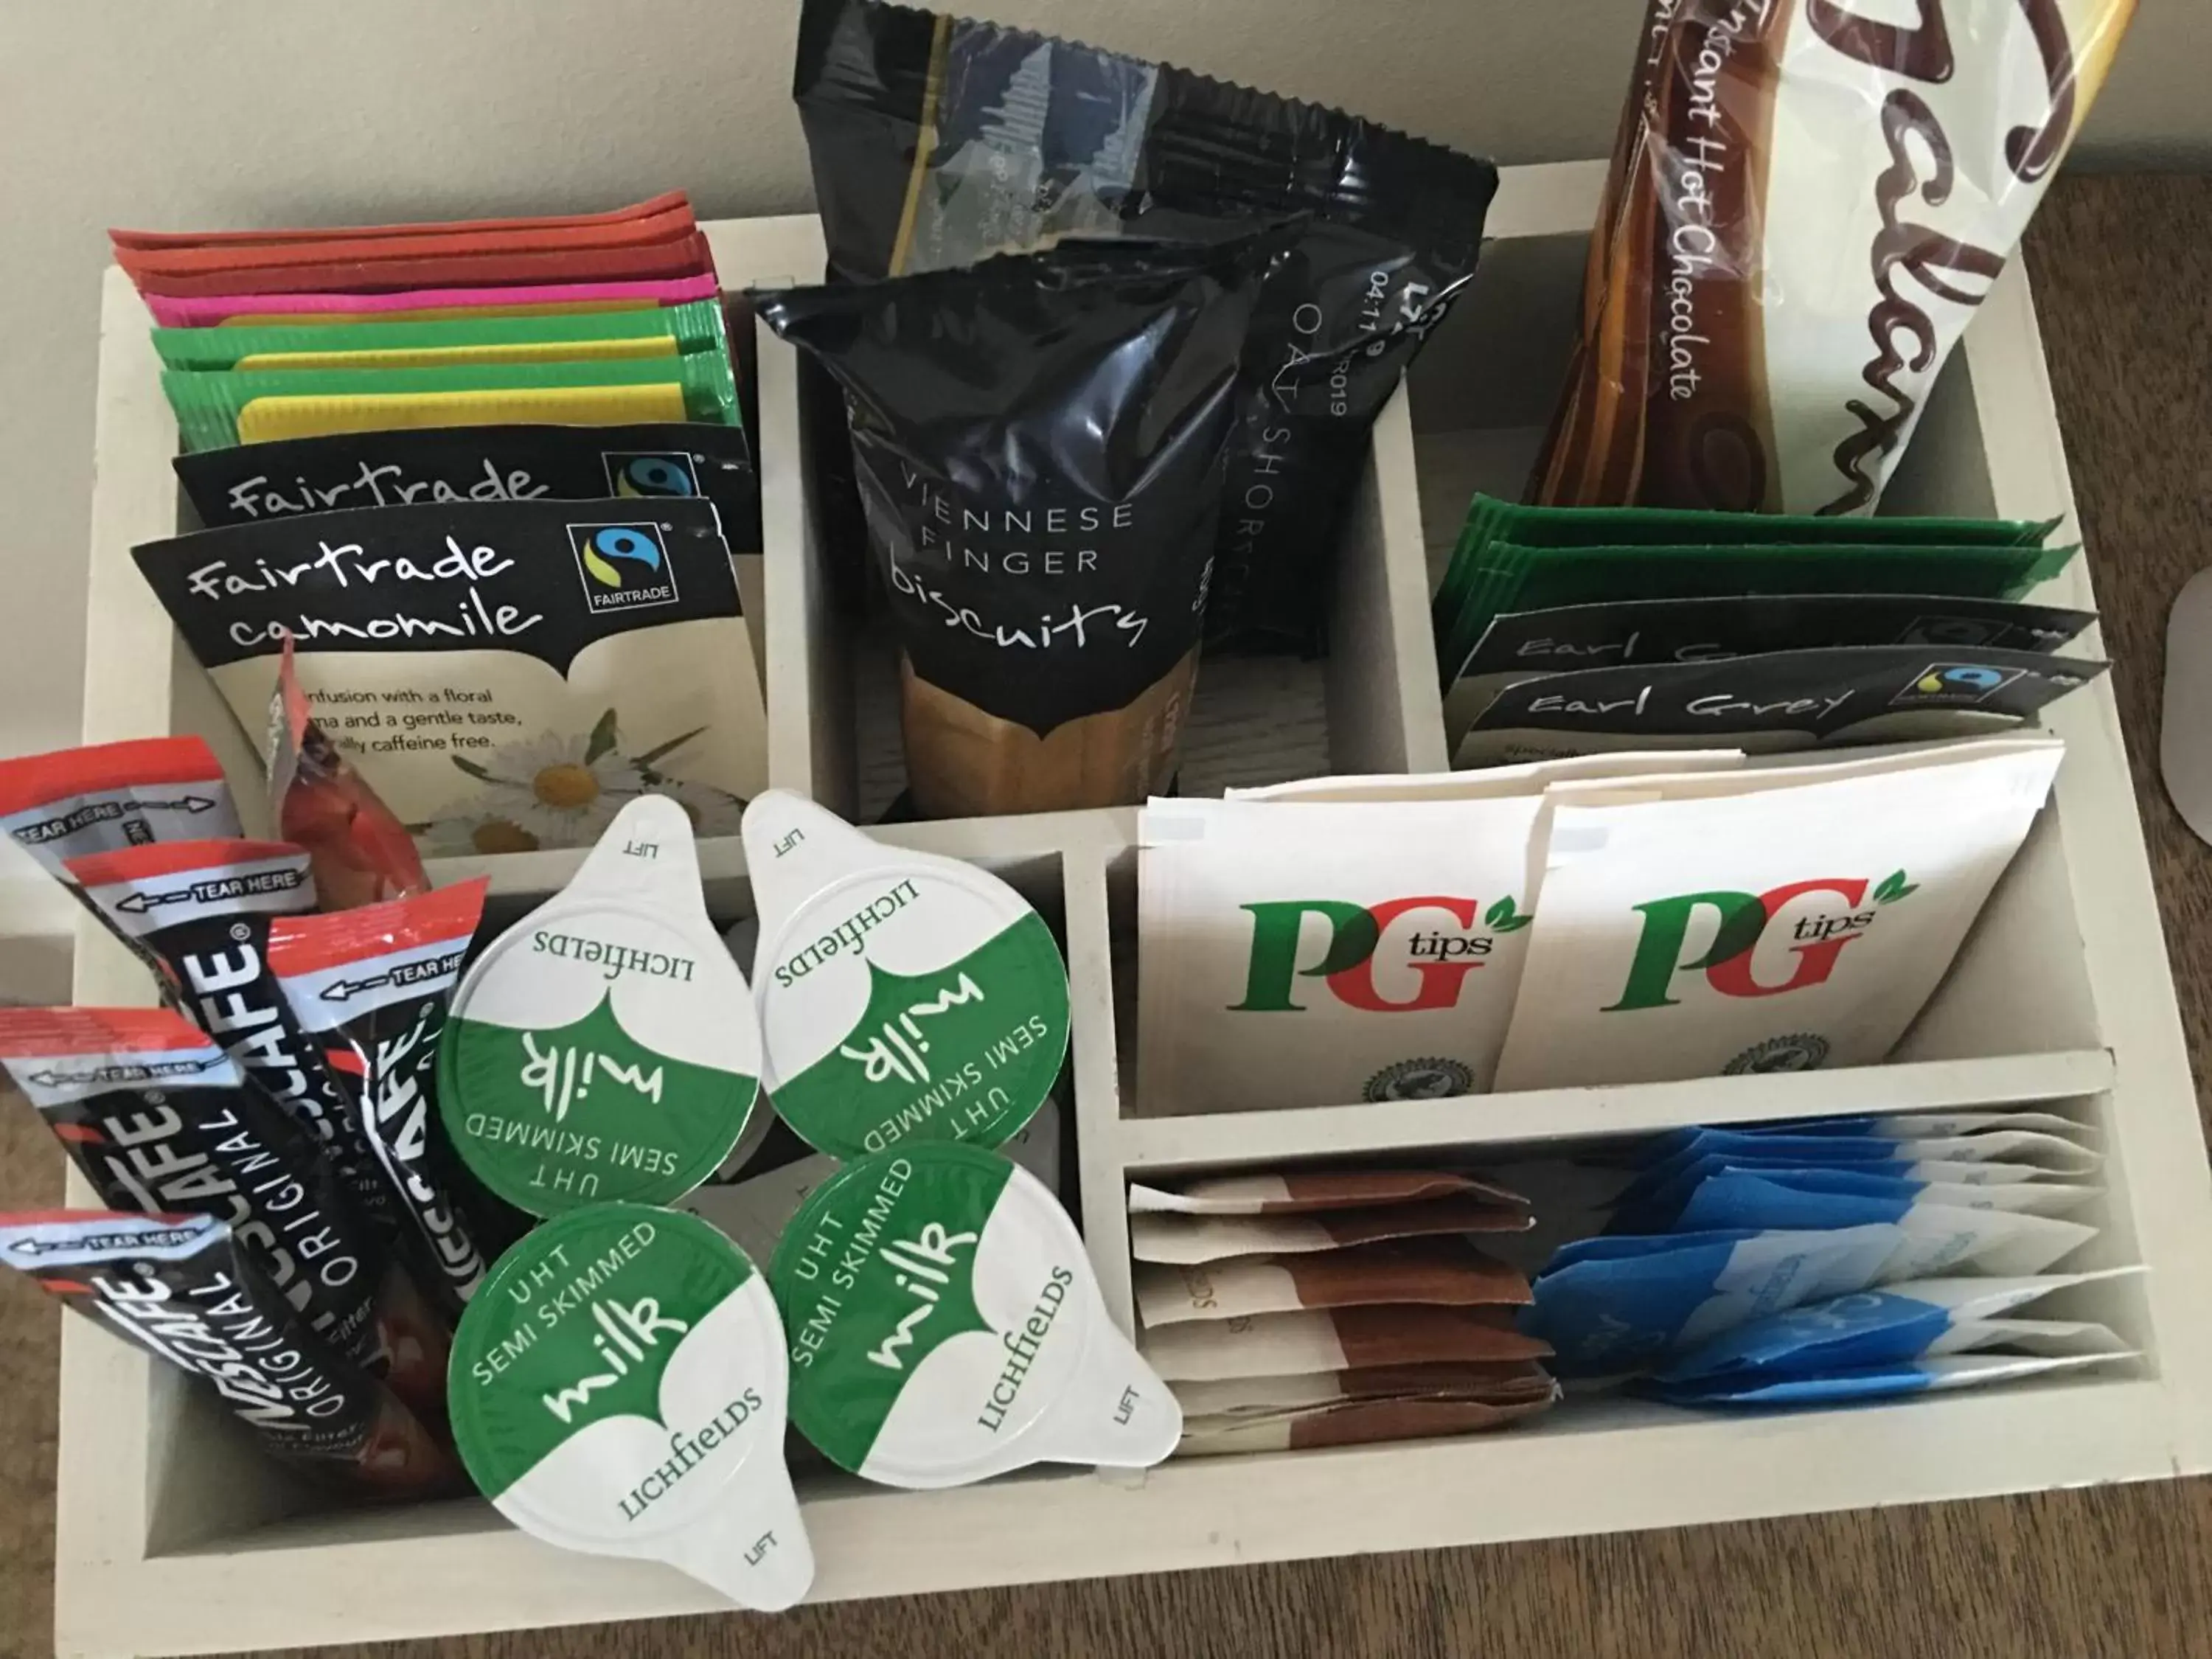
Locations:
{"points": [[1437, 1272], [161, 1121], [1185, 1240], [108, 796], [180, 1287], [370, 986]]}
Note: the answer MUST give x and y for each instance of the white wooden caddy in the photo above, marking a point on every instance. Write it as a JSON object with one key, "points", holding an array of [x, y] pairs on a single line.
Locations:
{"points": [[175, 1537]]}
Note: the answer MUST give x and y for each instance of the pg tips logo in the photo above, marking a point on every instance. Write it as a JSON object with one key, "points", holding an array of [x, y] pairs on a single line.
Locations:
{"points": [[1428, 945], [1753, 945]]}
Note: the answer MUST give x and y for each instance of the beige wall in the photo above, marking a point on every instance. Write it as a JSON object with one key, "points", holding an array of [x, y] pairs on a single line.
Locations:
{"points": [[196, 113]]}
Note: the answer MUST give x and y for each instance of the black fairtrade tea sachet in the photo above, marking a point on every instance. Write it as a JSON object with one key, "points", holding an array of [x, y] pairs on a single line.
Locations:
{"points": [[504, 675], [179, 1287], [938, 142], [1774, 702], [445, 465], [1611, 634], [1039, 446]]}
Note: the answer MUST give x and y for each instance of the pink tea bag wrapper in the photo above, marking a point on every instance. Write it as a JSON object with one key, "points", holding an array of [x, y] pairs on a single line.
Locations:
{"points": [[203, 310]]}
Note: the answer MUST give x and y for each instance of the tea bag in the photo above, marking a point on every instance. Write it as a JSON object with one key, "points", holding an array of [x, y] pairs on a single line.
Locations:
{"points": [[1506, 1381], [902, 995], [604, 1047], [1901, 1377], [1533, 778], [1294, 1192], [1188, 1239], [1616, 633], [658, 332], [1336, 1339], [1284, 963], [1355, 1423], [427, 304], [945, 1326], [217, 409], [1772, 701], [619, 1388], [1436, 1271], [1733, 1196], [504, 675], [1802, 927]]}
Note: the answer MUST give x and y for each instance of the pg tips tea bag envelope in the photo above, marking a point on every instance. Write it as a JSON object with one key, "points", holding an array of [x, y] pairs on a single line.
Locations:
{"points": [[1314, 954], [1794, 928]]}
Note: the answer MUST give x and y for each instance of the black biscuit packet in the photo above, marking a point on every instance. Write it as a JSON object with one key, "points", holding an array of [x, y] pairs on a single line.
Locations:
{"points": [[1775, 701], [161, 1121], [938, 141], [1039, 443], [504, 675], [178, 1286]]}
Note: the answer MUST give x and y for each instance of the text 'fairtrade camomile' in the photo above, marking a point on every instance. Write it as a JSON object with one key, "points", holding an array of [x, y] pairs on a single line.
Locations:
{"points": [[902, 996], [618, 1388], [945, 1326], [605, 1048]]}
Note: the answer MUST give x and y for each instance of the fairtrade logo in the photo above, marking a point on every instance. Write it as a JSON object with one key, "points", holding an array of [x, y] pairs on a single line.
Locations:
{"points": [[1954, 685], [659, 472], [1741, 921], [1441, 958], [622, 565]]}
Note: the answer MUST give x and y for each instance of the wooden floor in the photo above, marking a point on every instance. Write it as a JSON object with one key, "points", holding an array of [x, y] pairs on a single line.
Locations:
{"points": [[2123, 269]]}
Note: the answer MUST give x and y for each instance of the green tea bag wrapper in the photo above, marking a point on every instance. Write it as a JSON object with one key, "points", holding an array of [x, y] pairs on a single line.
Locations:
{"points": [[216, 410], [659, 332]]}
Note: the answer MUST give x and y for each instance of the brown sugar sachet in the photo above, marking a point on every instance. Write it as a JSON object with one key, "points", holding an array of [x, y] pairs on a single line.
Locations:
{"points": [[1435, 1272], [1501, 1381], [1186, 1239], [1295, 1191], [1335, 1340], [1359, 1423]]}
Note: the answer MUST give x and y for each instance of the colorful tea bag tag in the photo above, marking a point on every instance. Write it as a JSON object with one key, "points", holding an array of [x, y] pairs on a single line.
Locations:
{"points": [[604, 1047], [619, 1387], [945, 1326], [902, 996]]}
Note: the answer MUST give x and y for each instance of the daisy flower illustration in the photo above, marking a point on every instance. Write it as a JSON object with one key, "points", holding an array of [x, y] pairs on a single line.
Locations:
{"points": [[557, 791]]}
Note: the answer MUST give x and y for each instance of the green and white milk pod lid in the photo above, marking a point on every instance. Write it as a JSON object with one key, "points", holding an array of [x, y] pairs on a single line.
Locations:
{"points": [[605, 1047], [902, 996], [618, 1387], [945, 1326]]}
